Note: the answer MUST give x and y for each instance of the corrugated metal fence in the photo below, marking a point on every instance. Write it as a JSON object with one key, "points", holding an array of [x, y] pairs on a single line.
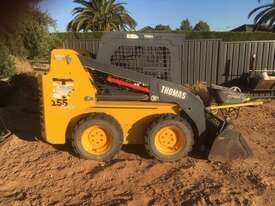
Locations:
{"points": [[200, 61], [236, 58], [212, 61]]}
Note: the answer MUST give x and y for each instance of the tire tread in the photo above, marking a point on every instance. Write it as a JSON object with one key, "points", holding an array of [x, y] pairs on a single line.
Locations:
{"points": [[99, 116], [162, 118]]}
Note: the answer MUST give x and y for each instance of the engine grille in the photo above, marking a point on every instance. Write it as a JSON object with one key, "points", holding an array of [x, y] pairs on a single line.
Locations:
{"points": [[154, 61]]}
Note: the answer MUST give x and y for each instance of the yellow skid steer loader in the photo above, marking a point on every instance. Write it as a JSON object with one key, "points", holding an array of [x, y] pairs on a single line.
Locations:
{"points": [[164, 116]]}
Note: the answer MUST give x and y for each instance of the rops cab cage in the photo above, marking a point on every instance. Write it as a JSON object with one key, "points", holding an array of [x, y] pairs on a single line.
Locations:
{"points": [[157, 55]]}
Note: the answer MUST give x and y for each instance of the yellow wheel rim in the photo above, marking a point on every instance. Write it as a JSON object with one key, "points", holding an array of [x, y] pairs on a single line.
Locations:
{"points": [[96, 140], [170, 140]]}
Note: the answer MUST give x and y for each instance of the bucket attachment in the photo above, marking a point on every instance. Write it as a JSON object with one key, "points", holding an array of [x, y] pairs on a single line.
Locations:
{"points": [[229, 145]]}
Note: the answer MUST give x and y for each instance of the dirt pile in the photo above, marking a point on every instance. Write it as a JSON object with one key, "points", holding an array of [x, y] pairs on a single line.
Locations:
{"points": [[36, 173]]}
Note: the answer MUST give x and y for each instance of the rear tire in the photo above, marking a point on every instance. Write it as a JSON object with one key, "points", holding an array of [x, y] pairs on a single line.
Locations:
{"points": [[169, 138], [97, 137]]}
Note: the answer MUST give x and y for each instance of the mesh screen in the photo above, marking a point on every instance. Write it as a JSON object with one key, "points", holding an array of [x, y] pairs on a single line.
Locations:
{"points": [[154, 61]]}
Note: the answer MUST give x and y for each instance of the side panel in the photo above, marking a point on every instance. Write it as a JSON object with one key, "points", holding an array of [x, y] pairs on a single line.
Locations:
{"points": [[64, 91]]}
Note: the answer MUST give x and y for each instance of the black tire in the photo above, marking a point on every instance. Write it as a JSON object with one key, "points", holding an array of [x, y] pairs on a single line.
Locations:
{"points": [[104, 121], [168, 121]]}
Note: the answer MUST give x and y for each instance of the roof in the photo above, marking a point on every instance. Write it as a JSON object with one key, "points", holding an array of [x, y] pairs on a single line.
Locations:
{"points": [[250, 28], [245, 27]]}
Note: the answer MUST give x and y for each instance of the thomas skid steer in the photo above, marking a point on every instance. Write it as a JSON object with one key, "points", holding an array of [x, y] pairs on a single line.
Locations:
{"points": [[164, 116]]}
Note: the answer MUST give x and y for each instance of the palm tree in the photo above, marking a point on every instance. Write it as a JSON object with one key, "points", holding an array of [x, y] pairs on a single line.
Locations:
{"points": [[265, 16], [101, 15]]}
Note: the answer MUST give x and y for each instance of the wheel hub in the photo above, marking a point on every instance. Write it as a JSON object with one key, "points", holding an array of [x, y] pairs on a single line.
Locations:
{"points": [[169, 140], [96, 140]]}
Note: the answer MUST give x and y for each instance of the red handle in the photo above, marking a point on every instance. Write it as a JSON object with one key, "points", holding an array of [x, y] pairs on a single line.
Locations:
{"points": [[128, 84]]}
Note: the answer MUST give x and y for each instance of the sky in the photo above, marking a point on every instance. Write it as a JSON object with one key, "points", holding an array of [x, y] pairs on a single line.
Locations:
{"points": [[221, 15]]}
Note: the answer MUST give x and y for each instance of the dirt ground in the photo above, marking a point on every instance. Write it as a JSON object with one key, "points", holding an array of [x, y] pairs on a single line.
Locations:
{"points": [[36, 173]]}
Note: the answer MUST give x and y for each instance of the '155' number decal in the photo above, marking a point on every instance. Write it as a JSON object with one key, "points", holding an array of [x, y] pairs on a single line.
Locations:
{"points": [[60, 102]]}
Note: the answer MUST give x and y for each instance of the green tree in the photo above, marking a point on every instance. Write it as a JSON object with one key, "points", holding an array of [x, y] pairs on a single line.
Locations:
{"points": [[185, 25], [7, 65], [30, 37], [25, 35], [202, 26], [161, 27], [265, 15], [101, 15], [11, 13], [36, 38]]}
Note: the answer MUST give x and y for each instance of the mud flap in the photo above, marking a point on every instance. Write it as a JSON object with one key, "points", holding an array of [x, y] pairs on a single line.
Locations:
{"points": [[229, 145]]}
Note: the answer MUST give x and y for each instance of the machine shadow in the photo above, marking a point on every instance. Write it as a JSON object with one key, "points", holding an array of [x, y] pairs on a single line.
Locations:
{"points": [[137, 149], [202, 149], [68, 148], [24, 125], [20, 110]]}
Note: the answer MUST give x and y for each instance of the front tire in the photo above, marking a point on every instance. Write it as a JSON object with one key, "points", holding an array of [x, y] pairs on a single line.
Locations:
{"points": [[169, 138], [97, 137]]}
